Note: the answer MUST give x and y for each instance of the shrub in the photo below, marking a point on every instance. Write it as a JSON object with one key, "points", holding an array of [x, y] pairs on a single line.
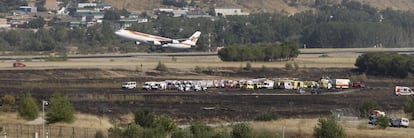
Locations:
{"points": [[324, 55], [328, 128], [153, 133], [8, 99], [63, 57], [166, 124], [174, 59], [144, 118], [222, 134], [181, 133], [201, 130], [266, 117], [161, 67], [60, 109], [264, 68], [27, 60], [133, 131], [361, 77], [115, 132], [248, 66], [382, 122], [408, 105], [367, 106], [28, 108], [99, 134], [8, 102], [296, 65], [288, 66], [270, 134], [198, 69], [242, 131]]}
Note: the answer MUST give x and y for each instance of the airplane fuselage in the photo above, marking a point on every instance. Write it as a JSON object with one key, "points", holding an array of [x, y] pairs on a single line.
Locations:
{"points": [[158, 40]]}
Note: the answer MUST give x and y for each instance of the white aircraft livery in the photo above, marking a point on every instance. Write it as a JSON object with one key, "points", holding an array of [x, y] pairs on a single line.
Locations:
{"points": [[139, 37]]}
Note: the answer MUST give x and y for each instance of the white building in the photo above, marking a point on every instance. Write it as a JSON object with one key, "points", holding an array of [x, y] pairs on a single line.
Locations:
{"points": [[228, 11]]}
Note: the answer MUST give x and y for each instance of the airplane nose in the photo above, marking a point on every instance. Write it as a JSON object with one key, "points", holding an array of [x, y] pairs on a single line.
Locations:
{"points": [[118, 32]]}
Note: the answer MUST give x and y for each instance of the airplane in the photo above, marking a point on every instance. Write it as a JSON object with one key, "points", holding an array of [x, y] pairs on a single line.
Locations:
{"points": [[159, 41]]}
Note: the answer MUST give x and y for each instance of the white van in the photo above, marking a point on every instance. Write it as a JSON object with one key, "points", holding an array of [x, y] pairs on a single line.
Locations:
{"points": [[149, 85], [129, 85], [401, 90]]}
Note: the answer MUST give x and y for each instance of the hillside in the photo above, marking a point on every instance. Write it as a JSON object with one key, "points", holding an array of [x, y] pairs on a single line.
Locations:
{"points": [[289, 6]]}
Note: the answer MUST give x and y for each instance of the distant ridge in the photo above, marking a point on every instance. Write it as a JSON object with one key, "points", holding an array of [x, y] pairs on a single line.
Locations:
{"points": [[286, 6]]}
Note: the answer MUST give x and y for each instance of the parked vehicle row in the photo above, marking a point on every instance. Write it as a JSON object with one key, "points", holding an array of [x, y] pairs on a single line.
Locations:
{"points": [[392, 122], [251, 84]]}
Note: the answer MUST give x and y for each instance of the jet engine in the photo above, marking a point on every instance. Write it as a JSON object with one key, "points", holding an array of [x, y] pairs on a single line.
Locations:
{"points": [[175, 41], [157, 43]]}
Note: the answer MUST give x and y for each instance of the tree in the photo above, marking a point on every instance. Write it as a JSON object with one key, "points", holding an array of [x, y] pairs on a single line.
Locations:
{"points": [[37, 23], [328, 128], [28, 108], [367, 106], [60, 109], [112, 14], [242, 131], [382, 122], [161, 66], [144, 118]]}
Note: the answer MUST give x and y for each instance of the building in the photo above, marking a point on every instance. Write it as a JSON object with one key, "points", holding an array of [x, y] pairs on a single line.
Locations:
{"points": [[130, 21], [3, 23], [98, 7], [50, 5], [228, 11], [28, 9]]}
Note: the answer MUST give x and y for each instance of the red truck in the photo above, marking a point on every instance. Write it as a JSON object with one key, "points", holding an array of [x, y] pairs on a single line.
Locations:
{"points": [[18, 64]]}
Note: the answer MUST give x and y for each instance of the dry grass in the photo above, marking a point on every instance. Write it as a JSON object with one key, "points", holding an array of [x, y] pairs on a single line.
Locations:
{"points": [[188, 63], [304, 128], [292, 127], [337, 58], [82, 120], [88, 121]]}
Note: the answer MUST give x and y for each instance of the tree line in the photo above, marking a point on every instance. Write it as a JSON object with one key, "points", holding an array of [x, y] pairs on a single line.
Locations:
{"points": [[345, 25], [285, 51], [386, 64]]}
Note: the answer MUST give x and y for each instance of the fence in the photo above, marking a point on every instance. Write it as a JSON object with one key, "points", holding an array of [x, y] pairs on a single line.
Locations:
{"points": [[29, 131]]}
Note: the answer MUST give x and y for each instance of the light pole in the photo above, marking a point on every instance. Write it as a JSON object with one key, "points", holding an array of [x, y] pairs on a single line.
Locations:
{"points": [[44, 103]]}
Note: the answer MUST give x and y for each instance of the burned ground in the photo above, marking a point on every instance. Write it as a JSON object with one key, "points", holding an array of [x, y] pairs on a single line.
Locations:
{"points": [[97, 91]]}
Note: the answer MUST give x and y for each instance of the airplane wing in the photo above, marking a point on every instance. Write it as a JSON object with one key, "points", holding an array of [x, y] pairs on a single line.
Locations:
{"points": [[143, 37], [148, 36]]}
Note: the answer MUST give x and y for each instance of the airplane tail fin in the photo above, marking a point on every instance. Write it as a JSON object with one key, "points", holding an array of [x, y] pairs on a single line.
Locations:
{"points": [[193, 39]]}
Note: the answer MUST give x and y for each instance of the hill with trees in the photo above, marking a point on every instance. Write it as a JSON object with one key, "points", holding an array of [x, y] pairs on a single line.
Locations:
{"points": [[344, 25], [287, 6]]}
